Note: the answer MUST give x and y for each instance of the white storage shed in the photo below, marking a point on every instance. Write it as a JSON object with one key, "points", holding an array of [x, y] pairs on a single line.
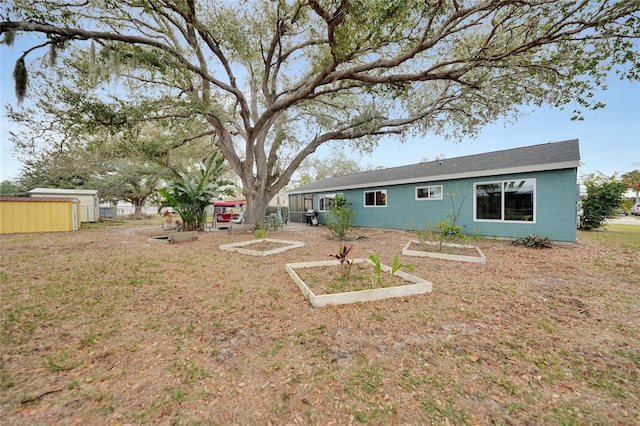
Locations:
{"points": [[89, 203]]}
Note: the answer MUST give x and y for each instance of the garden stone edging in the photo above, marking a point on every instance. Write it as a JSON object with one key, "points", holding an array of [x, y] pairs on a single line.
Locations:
{"points": [[419, 286], [238, 247], [481, 258]]}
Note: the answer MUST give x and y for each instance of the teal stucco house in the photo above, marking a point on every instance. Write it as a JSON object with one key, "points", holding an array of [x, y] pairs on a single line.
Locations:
{"points": [[510, 193]]}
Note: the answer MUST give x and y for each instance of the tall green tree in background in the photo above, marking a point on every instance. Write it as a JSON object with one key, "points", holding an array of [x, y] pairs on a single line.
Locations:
{"points": [[339, 163], [60, 170], [11, 188], [274, 80], [130, 181], [115, 179], [63, 145]]}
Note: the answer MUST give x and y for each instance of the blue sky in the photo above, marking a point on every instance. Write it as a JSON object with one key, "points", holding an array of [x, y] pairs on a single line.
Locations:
{"points": [[609, 138]]}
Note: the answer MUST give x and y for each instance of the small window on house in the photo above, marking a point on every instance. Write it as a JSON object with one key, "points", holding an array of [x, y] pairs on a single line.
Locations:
{"points": [[429, 192], [511, 200], [325, 201], [375, 198]]}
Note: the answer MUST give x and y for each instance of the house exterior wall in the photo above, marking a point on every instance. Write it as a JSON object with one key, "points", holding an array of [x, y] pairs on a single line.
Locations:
{"points": [[89, 203], [38, 216], [555, 206]]}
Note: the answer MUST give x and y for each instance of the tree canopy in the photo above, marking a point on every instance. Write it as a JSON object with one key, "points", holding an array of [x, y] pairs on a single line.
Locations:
{"points": [[63, 145], [274, 80], [339, 163]]}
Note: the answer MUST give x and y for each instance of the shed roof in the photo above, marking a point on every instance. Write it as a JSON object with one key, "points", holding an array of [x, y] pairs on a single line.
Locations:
{"points": [[548, 156], [40, 199], [63, 191]]}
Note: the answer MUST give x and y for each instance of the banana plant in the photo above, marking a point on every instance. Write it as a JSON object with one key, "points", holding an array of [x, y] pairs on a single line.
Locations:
{"points": [[192, 194]]}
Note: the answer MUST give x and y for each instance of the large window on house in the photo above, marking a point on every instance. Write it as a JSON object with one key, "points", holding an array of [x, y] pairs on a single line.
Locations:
{"points": [[429, 192], [325, 201], [511, 200], [375, 198]]}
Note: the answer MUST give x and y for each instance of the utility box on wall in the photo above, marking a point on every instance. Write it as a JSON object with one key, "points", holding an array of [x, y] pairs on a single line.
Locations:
{"points": [[39, 214]]}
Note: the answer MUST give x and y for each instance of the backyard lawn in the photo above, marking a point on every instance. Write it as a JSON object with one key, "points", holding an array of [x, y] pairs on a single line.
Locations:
{"points": [[105, 326]]}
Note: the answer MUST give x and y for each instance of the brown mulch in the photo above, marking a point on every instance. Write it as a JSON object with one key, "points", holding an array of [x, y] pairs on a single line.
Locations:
{"points": [[262, 245], [104, 327]]}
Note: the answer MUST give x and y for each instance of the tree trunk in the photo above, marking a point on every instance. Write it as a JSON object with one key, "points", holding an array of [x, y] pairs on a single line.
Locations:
{"points": [[138, 204], [256, 207]]}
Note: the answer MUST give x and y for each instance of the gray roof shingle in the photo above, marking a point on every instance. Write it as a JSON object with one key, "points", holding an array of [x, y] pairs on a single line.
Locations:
{"points": [[548, 156]]}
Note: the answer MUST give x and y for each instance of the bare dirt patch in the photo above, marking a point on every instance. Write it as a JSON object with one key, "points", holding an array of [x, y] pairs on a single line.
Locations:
{"points": [[102, 326], [265, 246]]}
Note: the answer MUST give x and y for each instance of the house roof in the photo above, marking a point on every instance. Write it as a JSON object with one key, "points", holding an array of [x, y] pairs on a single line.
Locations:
{"points": [[534, 158]]}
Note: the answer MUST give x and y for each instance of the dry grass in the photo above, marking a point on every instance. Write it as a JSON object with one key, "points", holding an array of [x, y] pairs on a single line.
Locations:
{"points": [[102, 326]]}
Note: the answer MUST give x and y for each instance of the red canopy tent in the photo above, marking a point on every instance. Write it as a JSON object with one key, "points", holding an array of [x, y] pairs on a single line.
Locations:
{"points": [[226, 211], [229, 203]]}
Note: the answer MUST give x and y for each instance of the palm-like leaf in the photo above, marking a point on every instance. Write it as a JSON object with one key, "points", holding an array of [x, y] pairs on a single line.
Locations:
{"points": [[191, 195]]}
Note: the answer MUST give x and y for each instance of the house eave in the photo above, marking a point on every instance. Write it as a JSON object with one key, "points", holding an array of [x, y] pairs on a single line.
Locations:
{"points": [[454, 176]]}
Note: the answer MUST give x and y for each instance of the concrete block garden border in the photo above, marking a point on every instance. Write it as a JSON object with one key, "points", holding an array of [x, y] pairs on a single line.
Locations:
{"points": [[480, 258]]}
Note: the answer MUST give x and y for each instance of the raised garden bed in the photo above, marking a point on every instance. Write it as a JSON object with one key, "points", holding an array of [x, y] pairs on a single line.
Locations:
{"points": [[159, 236], [262, 247], [400, 285], [447, 251], [174, 237]]}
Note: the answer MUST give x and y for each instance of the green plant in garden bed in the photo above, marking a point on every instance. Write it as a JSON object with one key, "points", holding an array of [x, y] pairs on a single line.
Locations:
{"points": [[331, 279], [395, 267], [345, 263], [446, 232], [261, 230]]}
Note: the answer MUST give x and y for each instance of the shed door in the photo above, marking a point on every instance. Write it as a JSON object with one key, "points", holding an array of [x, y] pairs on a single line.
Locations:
{"points": [[74, 215]]}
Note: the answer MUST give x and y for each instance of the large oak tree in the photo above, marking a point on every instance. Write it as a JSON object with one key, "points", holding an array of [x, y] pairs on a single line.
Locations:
{"points": [[275, 79]]}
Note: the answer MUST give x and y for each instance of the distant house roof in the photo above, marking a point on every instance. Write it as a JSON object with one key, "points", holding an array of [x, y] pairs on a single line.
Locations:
{"points": [[548, 156]]}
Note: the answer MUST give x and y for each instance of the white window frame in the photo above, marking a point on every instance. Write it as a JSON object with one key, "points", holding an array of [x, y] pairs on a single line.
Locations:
{"points": [[502, 201], [430, 189], [322, 203], [375, 198]]}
